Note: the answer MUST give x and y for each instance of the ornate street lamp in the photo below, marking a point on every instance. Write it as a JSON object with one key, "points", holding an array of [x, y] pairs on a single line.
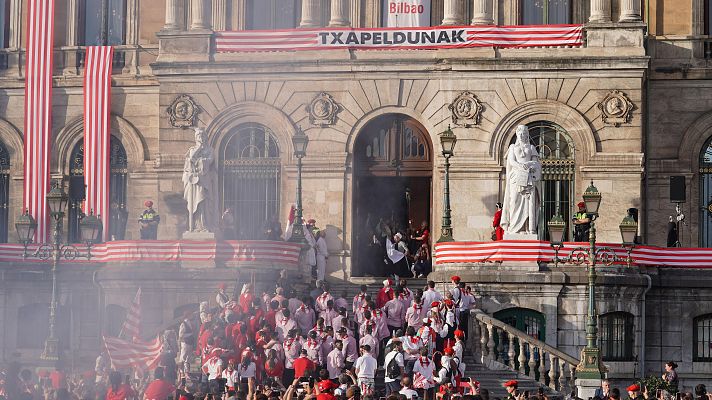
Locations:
{"points": [[447, 142], [629, 229], [300, 141], [26, 226], [557, 229]]}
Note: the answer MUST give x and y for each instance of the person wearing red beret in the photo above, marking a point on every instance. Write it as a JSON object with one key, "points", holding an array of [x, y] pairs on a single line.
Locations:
{"points": [[512, 389], [582, 223], [634, 392], [148, 222]]}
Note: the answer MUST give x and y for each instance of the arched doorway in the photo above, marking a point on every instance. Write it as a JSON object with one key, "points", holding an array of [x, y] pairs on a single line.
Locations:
{"points": [[393, 170], [706, 195]]}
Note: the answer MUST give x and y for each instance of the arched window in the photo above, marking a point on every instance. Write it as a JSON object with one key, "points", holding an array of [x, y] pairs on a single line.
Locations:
{"points": [[702, 338], [273, 14], [556, 152], [33, 326], [250, 176], [4, 191], [617, 338], [118, 215], [706, 195]]}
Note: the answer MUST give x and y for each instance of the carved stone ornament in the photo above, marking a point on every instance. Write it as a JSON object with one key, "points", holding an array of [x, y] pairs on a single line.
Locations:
{"points": [[466, 110], [183, 112], [322, 110], [616, 109]]}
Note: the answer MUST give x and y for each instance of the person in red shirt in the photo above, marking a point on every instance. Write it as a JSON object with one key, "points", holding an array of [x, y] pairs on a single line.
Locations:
{"points": [[303, 366], [385, 294], [326, 390], [246, 297], [498, 230], [159, 389], [118, 390], [58, 379], [274, 367]]}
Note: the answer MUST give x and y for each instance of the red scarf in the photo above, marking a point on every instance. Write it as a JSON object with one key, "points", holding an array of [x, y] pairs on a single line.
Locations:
{"points": [[414, 339], [424, 361]]}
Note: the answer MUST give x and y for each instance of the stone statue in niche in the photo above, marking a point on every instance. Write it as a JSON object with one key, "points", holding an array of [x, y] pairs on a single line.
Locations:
{"points": [[520, 211], [200, 178]]}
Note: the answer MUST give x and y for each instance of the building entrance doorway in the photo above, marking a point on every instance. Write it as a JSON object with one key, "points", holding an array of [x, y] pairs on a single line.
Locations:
{"points": [[392, 188]]}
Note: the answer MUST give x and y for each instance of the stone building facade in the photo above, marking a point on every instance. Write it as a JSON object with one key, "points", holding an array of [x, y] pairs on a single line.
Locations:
{"points": [[626, 110]]}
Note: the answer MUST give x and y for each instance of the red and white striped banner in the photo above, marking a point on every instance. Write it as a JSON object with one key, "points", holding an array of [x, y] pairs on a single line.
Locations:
{"points": [[97, 131], [248, 252], [428, 38], [125, 354], [38, 111], [536, 251], [132, 325]]}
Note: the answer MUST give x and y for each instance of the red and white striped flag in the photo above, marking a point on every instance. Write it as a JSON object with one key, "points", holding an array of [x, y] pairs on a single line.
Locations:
{"points": [[97, 131], [133, 352], [38, 111], [132, 325]]}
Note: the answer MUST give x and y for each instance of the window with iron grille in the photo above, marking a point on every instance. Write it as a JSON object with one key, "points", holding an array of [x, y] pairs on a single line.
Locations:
{"points": [[706, 195], [702, 338], [617, 338], [250, 179], [118, 214]]}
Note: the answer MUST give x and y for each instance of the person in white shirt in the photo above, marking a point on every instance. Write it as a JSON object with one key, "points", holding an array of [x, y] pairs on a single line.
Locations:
{"points": [[370, 340], [359, 300], [429, 296], [467, 303], [231, 376], [213, 369], [322, 255], [247, 371], [411, 348], [407, 389], [459, 346], [423, 374], [395, 367], [365, 369], [335, 360]]}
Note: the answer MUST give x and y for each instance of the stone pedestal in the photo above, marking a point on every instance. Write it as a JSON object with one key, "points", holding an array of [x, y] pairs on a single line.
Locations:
{"points": [[520, 236], [201, 236], [587, 388]]}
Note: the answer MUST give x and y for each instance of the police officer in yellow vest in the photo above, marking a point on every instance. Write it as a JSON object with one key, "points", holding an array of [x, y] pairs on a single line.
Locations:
{"points": [[148, 222], [582, 223]]}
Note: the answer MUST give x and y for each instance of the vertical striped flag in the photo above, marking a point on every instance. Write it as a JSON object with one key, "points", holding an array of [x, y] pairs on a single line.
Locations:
{"points": [[132, 325], [97, 131], [38, 111]]}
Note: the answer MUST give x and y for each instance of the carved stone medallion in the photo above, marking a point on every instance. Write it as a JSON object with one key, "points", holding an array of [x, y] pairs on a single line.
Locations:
{"points": [[616, 109], [322, 110], [183, 112], [466, 110]]}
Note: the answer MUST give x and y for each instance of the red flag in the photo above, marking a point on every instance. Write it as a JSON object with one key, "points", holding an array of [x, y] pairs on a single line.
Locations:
{"points": [[97, 131], [132, 325], [133, 352], [38, 111]]}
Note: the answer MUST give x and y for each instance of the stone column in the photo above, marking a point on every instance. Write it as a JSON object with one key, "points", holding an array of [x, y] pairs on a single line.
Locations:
{"points": [[72, 23], [482, 12], [310, 14], [171, 16], [454, 12], [630, 11], [600, 11], [339, 13], [198, 14], [219, 15]]}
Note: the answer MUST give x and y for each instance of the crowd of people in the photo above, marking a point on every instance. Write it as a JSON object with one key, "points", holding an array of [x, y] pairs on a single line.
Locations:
{"points": [[395, 343]]}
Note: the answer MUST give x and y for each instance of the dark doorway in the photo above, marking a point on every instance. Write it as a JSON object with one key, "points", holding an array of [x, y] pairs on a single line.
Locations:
{"points": [[392, 187]]}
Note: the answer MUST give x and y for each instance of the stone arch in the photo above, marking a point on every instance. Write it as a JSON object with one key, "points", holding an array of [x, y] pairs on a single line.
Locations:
{"points": [[572, 121], [14, 142], [253, 112], [368, 117], [694, 138], [132, 140]]}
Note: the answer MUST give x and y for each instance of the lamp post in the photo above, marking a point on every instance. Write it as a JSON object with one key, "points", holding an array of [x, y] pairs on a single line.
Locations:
{"points": [[557, 228], [90, 228], [629, 229], [447, 142], [300, 141]]}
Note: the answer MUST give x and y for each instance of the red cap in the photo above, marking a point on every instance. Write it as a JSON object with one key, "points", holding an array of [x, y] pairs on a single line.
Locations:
{"points": [[449, 351], [459, 333], [148, 203], [449, 303], [581, 204], [633, 388], [511, 383], [222, 286], [455, 278], [435, 304], [325, 385]]}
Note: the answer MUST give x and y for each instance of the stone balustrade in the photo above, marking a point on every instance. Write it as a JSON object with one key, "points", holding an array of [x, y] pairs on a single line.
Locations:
{"points": [[494, 341]]}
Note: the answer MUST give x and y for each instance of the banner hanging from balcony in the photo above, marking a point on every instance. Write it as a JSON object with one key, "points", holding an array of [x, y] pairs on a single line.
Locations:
{"points": [[430, 38], [400, 13]]}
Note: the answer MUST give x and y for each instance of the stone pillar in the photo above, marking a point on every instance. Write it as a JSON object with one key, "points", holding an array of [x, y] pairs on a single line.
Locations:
{"points": [[482, 12], [454, 12], [198, 14], [72, 23], [171, 16], [339, 13], [310, 14], [219, 15], [600, 11], [630, 11]]}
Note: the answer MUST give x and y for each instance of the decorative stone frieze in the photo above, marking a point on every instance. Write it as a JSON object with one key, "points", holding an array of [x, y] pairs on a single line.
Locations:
{"points": [[183, 112], [322, 110], [466, 110], [616, 109]]}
